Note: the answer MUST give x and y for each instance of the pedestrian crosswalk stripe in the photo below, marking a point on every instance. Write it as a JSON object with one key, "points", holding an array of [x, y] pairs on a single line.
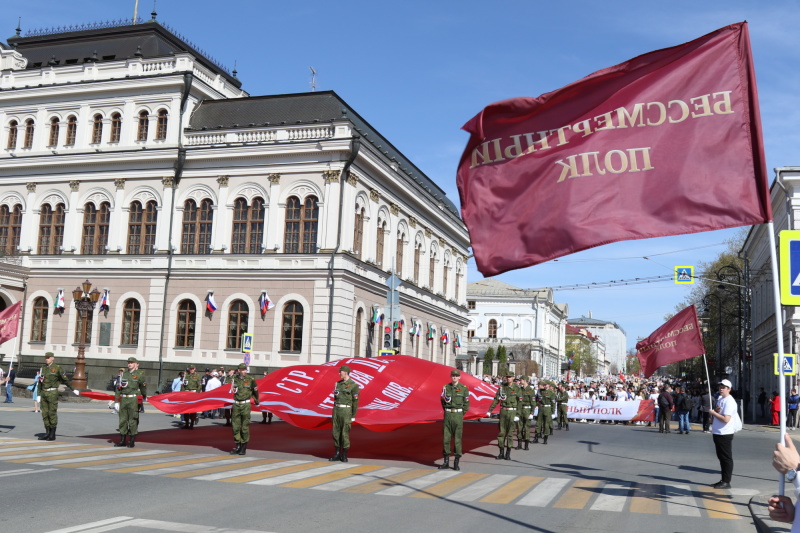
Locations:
{"points": [[419, 483], [197, 467], [242, 475], [546, 491], [646, 499], [481, 488], [10, 452], [359, 479], [613, 497], [141, 466], [680, 501], [512, 490], [304, 474], [223, 465], [578, 495], [331, 477], [451, 485], [58, 454], [4, 446], [24, 471], [103, 456], [719, 505], [389, 481], [116, 461]]}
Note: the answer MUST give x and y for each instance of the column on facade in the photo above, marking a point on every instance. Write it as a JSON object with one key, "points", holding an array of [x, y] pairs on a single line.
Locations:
{"points": [[221, 227], [129, 124], [117, 234], [83, 135], [174, 128], [329, 221], [41, 134], [390, 244], [162, 241], [348, 220], [73, 221], [273, 215], [28, 237]]}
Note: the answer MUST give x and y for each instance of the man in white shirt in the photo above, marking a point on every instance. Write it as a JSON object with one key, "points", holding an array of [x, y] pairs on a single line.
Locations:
{"points": [[722, 429]]}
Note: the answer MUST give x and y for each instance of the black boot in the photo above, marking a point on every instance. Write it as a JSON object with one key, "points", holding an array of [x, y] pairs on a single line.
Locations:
{"points": [[446, 464], [52, 435], [132, 441], [122, 441], [343, 457], [335, 456], [545, 439], [502, 454], [243, 448], [519, 444], [235, 450], [455, 463], [566, 426], [526, 444], [46, 434], [536, 438], [508, 453], [559, 426]]}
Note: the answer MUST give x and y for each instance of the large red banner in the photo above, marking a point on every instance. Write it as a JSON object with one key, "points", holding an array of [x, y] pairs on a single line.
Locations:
{"points": [[9, 322], [675, 341], [667, 143]]}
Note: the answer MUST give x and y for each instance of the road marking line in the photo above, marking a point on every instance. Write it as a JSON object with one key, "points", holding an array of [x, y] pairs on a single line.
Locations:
{"points": [[120, 461], [84, 527], [196, 469], [97, 453], [481, 488], [613, 497], [544, 493], [25, 471], [389, 481], [359, 479], [305, 474], [416, 484], [255, 466], [143, 466], [719, 504], [329, 479], [512, 490], [450, 485], [646, 499], [11, 453], [680, 501], [161, 525], [278, 469], [578, 495], [118, 457]]}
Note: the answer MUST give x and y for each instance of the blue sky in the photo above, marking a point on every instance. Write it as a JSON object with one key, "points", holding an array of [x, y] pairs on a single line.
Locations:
{"points": [[418, 70]]}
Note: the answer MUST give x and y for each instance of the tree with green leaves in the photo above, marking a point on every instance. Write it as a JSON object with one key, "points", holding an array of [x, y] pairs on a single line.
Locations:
{"points": [[502, 358], [488, 357], [579, 350]]}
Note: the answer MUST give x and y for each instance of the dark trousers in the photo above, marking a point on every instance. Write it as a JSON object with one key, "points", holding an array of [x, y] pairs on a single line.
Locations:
{"points": [[792, 420], [706, 420], [724, 447], [664, 415]]}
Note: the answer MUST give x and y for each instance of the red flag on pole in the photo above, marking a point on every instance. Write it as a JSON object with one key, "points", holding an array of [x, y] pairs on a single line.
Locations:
{"points": [[676, 340], [667, 143], [9, 322]]}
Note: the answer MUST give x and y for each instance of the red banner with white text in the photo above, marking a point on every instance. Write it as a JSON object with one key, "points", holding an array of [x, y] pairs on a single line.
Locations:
{"points": [[678, 339]]}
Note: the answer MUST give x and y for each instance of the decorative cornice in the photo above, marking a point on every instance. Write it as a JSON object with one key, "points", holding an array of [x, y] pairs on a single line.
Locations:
{"points": [[412, 222], [374, 195], [74, 185], [168, 181], [31, 186], [119, 183], [441, 243], [331, 176], [394, 209], [274, 179], [428, 232], [352, 179], [223, 181]]}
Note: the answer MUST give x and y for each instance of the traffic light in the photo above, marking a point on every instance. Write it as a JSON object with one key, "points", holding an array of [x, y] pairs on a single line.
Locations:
{"points": [[387, 341]]}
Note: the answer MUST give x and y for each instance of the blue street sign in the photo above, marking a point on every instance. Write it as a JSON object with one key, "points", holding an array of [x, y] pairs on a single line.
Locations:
{"points": [[790, 267], [247, 344]]}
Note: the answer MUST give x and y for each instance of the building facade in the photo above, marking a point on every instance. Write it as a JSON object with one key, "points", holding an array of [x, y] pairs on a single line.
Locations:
{"points": [[528, 322], [613, 337], [132, 160]]}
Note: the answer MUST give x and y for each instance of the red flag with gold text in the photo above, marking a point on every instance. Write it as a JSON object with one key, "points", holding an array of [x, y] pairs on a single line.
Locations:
{"points": [[9, 322], [675, 341]]}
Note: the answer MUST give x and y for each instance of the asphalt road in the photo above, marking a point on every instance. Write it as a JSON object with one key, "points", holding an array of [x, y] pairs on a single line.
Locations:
{"points": [[595, 477]]}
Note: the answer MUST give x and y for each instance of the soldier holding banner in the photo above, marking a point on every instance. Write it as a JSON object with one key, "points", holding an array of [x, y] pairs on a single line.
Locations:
{"points": [[244, 388], [345, 405], [455, 402], [129, 386], [50, 377], [192, 382]]}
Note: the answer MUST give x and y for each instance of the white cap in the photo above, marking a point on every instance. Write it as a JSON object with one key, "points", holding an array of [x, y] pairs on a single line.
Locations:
{"points": [[726, 383]]}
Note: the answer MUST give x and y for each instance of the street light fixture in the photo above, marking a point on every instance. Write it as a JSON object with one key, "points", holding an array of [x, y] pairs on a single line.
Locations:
{"points": [[85, 301]]}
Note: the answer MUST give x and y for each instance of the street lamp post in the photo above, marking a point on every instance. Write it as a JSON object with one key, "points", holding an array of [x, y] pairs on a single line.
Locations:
{"points": [[706, 303], [729, 276], [85, 300]]}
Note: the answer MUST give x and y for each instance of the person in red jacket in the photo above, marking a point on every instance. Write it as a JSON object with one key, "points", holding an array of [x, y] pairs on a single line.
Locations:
{"points": [[775, 408]]}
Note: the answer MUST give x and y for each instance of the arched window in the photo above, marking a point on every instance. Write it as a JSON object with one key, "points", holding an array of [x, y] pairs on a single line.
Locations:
{"points": [[10, 229], [41, 310], [95, 228], [29, 129], [492, 328], [248, 226], [357, 334], [51, 229], [116, 128], [417, 255], [161, 125], [358, 233], [238, 314], [72, 130], [197, 226], [79, 327], [398, 259], [142, 228], [97, 129], [54, 126], [300, 235], [379, 243], [131, 314], [432, 270], [12, 135], [292, 330], [184, 336], [144, 122]]}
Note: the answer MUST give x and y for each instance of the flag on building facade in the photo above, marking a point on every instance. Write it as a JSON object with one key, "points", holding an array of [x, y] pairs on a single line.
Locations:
{"points": [[376, 315], [59, 303], [667, 143], [445, 337], [211, 305], [264, 303], [105, 302], [457, 341], [678, 339]]}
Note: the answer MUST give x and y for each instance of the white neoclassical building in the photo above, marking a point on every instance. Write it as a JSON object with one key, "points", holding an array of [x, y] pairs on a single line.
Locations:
{"points": [[131, 159]]}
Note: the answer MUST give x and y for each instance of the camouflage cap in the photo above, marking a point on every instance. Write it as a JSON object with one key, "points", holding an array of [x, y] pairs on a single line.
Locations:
{"points": [[510, 374], [454, 373], [242, 366], [132, 360], [344, 368], [122, 369], [49, 354]]}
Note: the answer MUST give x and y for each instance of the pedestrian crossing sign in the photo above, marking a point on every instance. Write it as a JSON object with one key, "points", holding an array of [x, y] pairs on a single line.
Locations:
{"points": [[789, 365], [790, 267], [247, 342], [684, 275]]}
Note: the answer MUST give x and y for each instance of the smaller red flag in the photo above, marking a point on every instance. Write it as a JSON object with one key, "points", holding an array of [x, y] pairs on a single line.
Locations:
{"points": [[9, 322], [675, 341]]}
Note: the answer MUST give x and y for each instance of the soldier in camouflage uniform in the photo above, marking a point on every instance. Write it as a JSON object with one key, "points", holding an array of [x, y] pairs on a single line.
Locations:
{"points": [[129, 386], [545, 401], [524, 412], [562, 398], [455, 402], [508, 396], [50, 377], [345, 405], [244, 388], [192, 382]]}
